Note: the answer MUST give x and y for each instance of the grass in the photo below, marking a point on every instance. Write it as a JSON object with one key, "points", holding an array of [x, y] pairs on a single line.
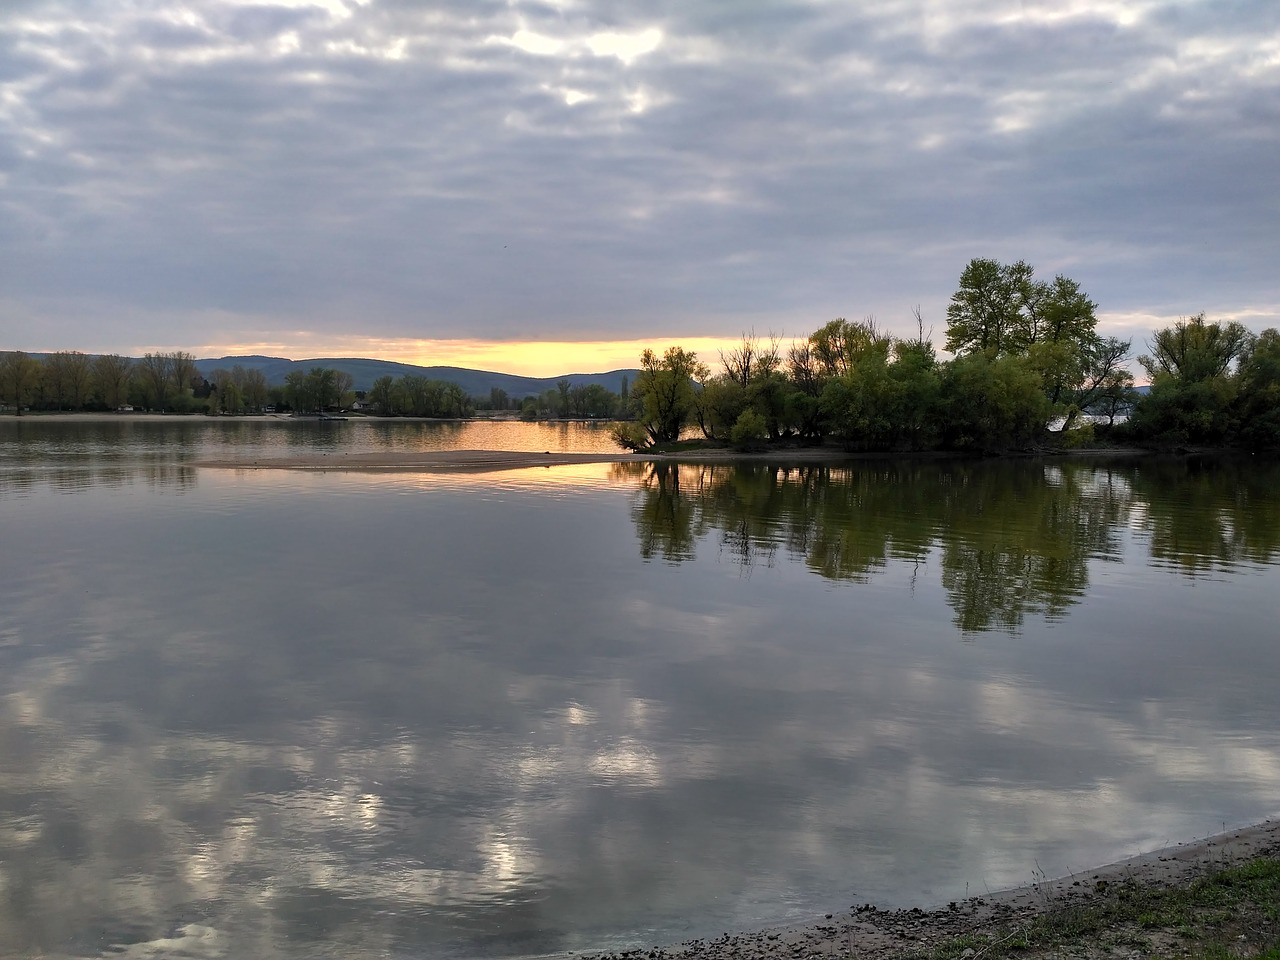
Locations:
{"points": [[1229, 913]]}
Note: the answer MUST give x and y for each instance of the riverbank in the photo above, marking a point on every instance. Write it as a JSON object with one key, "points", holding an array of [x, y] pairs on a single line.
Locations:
{"points": [[1141, 906], [303, 458]]}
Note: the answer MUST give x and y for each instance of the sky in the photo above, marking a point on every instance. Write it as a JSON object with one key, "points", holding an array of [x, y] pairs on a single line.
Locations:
{"points": [[549, 187]]}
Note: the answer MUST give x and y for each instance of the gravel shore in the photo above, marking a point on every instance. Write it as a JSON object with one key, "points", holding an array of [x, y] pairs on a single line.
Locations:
{"points": [[864, 931]]}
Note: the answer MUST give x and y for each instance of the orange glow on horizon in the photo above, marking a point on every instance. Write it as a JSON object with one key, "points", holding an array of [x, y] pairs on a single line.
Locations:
{"points": [[522, 358]]}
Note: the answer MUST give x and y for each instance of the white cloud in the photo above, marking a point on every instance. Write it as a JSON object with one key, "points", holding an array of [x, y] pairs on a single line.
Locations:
{"points": [[535, 43], [694, 166], [627, 47]]}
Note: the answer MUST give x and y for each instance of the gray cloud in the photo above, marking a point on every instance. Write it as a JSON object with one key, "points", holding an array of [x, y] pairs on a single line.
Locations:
{"points": [[586, 170]]}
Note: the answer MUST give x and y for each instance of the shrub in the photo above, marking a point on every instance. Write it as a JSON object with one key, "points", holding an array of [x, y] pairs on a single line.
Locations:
{"points": [[749, 431], [629, 435]]}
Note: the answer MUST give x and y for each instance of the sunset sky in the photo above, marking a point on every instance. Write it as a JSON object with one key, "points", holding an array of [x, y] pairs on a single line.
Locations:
{"points": [[548, 187]]}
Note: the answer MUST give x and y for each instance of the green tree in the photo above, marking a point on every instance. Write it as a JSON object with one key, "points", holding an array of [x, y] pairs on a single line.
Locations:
{"points": [[381, 396], [19, 374], [1116, 395], [859, 405], [343, 389], [838, 346], [68, 377], [111, 377], [992, 403], [749, 432], [183, 372], [598, 401], [1194, 386], [297, 392], [1002, 310], [1194, 350], [252, 384], [154, 370], [225, 397], [455, 403], [666, 388], [718, 405], [918, 387], [986, 312], [322, 388], [803, 401], [1258, 398]]}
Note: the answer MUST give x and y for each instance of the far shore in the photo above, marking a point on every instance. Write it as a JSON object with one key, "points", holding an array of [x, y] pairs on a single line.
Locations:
{"points": [[482, 460], [864, 931], [433, 461]]}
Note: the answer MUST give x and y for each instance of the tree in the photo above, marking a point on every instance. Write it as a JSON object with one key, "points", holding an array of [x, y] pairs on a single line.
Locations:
{"points": [[1194, 350], [381, 396], [67, 379], [992, 404], [155, 370], [718, 405], [1115, 395], [837, 346], [1194, 387], [225, 397], [563, 402], [322, 388], [666, 388], [297, 392], [985, 312], [111, 377], [454, 401], [343, 385], [1002, 310], [915, 373], [598, 401], [19, 373], [750, 360], [252, 384], [182, 371], [1259, 394]]}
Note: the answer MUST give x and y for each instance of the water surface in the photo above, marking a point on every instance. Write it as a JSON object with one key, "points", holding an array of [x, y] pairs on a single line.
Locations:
{"points": [[296, 715]]}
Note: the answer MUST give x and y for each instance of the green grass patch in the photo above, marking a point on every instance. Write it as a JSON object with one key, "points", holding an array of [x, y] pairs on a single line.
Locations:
{"points": [[1224, 915]]}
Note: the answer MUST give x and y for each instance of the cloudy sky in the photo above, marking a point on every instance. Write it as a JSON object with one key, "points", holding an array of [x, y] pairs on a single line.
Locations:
{"points": [[544, 186]]}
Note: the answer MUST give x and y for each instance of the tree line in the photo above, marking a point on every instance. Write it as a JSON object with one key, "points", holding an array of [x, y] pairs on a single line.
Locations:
{"points": [[170, 383], [162, 382], [1027, 353]]}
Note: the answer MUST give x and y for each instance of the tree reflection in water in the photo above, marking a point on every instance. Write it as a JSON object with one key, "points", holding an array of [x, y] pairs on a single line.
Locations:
{"points": [[1013, 538]]}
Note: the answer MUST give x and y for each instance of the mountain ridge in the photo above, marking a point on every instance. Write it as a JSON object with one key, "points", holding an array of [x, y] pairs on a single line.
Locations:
{"points": [[364, 371]]}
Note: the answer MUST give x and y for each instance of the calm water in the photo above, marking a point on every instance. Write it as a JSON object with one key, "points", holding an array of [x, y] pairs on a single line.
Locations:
{"points": [[298, 715]]}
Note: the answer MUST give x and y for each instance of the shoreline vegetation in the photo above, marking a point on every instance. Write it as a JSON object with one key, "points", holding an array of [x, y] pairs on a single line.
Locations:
{"points": [[1215, 898], [1026, 357], [689, 452]]}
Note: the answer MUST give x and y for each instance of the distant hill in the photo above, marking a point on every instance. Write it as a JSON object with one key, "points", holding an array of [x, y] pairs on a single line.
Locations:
{"points": [[364, 372]]}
